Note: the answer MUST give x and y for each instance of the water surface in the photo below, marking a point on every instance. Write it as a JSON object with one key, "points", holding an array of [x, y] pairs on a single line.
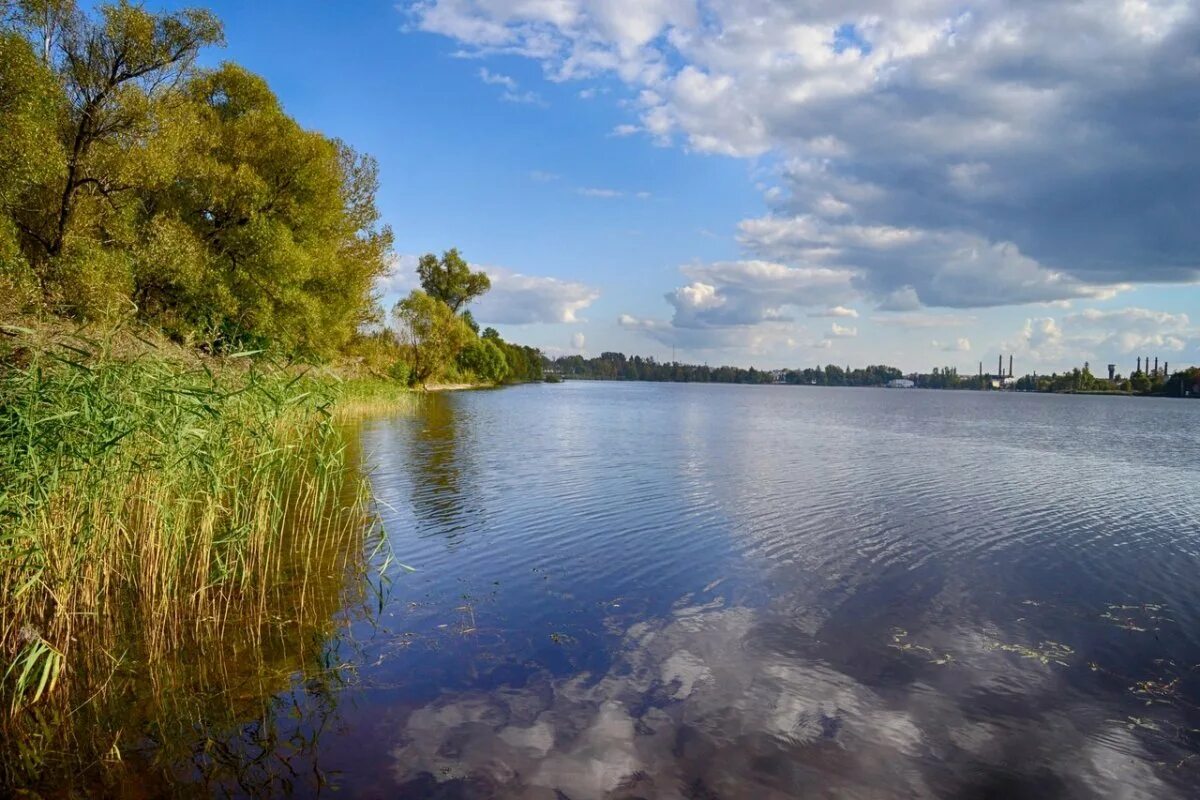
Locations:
{"points": [[649, 590]]}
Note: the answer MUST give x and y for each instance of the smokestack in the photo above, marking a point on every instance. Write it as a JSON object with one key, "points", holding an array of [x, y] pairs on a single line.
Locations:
{"points": [[1139, 369], [1000, 366], [1166, 368], [1010, 365], [1156, 365]]}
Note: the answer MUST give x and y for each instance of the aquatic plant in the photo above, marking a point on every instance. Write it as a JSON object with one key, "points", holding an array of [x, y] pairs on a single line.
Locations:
{"points": [[158, 510]]}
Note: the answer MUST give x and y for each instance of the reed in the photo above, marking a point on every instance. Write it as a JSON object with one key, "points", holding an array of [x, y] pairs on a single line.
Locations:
{"points": [[154, 509]]}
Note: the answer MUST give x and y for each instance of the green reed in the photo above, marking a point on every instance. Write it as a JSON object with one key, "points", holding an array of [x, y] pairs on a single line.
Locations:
{"points": [[150, 503]]}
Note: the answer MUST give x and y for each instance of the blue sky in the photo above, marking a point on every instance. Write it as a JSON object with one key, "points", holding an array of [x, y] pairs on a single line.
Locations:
{"points": [[917, 183]]}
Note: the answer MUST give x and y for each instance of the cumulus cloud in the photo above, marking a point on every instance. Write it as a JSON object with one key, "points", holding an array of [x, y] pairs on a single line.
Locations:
{"points": [[514, 299], [517, 299], [1007, 151], [1128, 330], [960, 345], [578, 341], [907, 268], [748, 292], [748, 304], [1102, 336]]}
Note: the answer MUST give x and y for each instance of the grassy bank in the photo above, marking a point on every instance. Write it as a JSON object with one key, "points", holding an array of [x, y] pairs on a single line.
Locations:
{"points": [[155, 504]]}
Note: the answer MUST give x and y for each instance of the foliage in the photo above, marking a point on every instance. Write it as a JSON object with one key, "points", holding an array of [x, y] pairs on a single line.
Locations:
{"points": [[432, 334], [450, 279], [134, 181], [484, 359]]}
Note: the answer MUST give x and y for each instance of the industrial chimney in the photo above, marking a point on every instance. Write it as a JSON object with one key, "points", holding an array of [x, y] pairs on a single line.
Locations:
{"points": [[1010, 365], [1112, 372], [1139, 369], [1000, 366]]}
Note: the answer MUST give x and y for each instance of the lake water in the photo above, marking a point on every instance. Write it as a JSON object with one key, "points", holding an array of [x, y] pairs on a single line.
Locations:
{"points": [[700, 591], [655, 590]]}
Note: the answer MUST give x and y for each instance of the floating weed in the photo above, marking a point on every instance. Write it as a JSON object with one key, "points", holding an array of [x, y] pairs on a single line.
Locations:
{"points": [[1137, 618], [1157, 691], [1046, 653], [901, 643]]}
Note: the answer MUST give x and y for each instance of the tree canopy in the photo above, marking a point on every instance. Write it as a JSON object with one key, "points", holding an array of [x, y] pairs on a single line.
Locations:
{"points": [[133, 181], [450, 279]]}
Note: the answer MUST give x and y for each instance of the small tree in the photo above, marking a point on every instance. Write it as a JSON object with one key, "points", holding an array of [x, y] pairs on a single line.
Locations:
{"points": [[450, 279], [432, 333]]}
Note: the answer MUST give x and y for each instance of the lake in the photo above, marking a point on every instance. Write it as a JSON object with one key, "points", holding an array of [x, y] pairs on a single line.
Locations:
{"points": [[658, 590], [708, 591]]}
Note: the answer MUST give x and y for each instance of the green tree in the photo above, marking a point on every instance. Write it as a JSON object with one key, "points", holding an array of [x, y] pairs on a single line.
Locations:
{"points": [[114, 68], [485, 359], [450, 279], [432, 334], [266, 229], [30, 153]]}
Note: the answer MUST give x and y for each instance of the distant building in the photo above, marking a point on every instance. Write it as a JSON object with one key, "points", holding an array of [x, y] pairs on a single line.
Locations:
{"points": [[900, 383]]}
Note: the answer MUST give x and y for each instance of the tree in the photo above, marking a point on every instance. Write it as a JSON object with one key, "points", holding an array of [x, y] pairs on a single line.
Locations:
{"points": [[485, 359], [114, 69], [450, 279], [266, 229], [30, 153], [431, 332]]}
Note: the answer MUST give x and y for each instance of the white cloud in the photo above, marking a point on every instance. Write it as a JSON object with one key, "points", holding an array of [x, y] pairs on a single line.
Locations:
{"points": [[541, 176], [517, 299], [512, 92], [625, 130], [1131, 330], [400, 279], [907, 268], [578, 341], [1006, 151], [842, 332], [836, 311], [496, 79], [1040, 340], [960, 345]]}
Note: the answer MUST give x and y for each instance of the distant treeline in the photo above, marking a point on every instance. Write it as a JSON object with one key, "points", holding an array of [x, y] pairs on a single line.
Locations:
{"points": [[619, 367]]}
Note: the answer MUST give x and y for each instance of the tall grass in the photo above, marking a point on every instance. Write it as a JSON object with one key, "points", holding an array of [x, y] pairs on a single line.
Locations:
{"points": [[156, 511]]}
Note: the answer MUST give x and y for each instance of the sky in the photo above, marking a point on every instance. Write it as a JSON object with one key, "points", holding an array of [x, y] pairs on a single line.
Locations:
{"points": [[777, 183]]}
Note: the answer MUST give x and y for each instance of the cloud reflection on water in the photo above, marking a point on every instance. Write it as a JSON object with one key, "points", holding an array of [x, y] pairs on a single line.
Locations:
{"points": [[701, 705]]}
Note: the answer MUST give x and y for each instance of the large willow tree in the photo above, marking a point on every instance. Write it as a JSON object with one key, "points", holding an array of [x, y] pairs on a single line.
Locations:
{"points": [[135, 182]]}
